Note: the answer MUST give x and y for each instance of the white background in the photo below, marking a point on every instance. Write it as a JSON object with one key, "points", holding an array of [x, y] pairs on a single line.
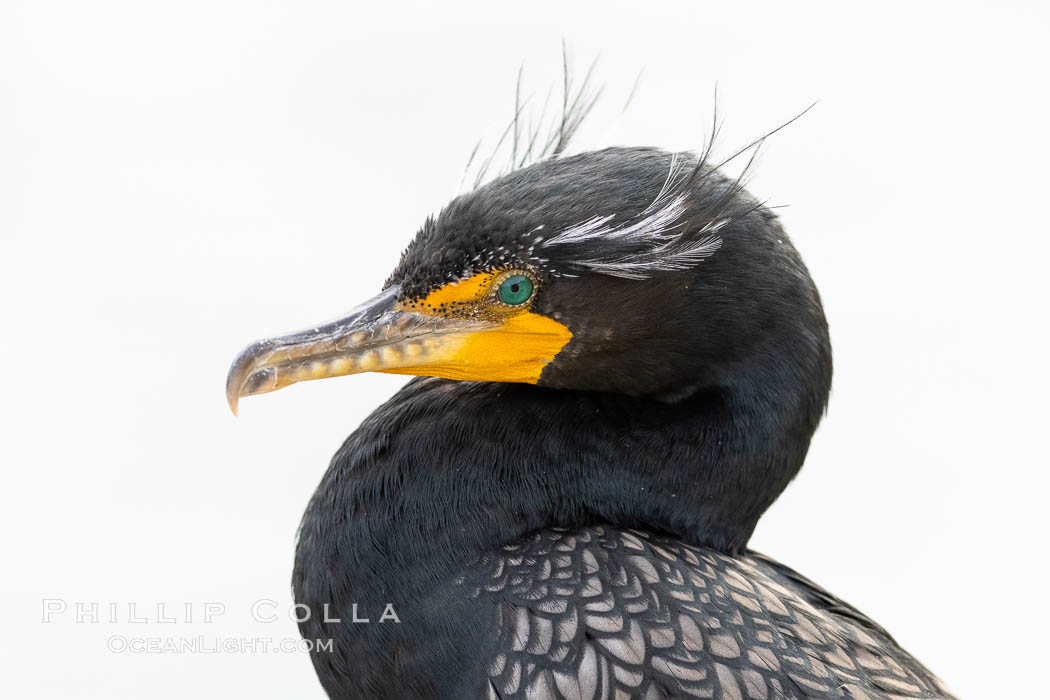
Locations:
{"points": [[177, 179]]}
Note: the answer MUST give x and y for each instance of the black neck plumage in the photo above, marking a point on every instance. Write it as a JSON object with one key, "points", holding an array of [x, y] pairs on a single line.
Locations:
{"points": [[447, 470]]}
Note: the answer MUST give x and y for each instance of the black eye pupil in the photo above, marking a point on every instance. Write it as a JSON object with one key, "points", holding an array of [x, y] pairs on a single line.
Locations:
{"points": [[515, 287]]}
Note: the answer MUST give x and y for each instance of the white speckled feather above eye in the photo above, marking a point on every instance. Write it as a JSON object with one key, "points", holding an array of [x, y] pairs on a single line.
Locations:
{"points": [[600, 613]]}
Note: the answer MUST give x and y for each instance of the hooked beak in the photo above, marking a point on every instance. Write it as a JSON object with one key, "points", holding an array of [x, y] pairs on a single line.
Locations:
{"points": [[374, 337], [382, 336]]}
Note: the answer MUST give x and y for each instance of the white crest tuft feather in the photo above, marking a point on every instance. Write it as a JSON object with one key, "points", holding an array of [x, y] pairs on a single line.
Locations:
{"points": [[654, 236]]}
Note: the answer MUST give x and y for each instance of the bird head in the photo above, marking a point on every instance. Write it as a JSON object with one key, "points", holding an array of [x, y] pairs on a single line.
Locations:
{"points": [[626, 270]]}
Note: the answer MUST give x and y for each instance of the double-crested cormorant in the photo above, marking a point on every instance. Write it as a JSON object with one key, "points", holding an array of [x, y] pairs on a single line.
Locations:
{"points": [[625, 361]]}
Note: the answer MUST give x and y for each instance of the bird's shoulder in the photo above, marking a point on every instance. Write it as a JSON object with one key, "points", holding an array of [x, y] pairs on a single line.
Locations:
{"points": [[602, 612]]}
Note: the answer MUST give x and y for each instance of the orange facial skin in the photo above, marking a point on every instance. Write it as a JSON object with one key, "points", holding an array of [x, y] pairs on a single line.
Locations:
{"points": [[515, 349]]}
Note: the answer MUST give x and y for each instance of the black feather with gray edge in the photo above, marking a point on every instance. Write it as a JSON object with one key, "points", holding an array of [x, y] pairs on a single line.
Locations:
{"points": [[681, 408], [599, 612]]}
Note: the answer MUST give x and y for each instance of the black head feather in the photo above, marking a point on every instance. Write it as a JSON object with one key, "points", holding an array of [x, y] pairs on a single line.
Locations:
{"points": [[669, 275]]}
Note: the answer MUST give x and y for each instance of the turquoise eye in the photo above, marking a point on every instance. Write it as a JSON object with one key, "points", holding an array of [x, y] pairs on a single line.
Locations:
{"points": [[515, 290]]}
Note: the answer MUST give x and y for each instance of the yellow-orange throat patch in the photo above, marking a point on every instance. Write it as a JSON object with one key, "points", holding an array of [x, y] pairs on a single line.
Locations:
{"points": [[516, 348]]}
